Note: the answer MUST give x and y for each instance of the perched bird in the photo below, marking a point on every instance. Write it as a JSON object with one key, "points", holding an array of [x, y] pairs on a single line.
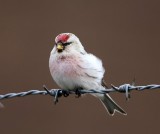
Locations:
{"points": [[73, 68]]}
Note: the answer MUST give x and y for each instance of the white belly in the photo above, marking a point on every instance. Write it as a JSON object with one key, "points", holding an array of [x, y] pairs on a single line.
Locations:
{"points": [[69, 73]]}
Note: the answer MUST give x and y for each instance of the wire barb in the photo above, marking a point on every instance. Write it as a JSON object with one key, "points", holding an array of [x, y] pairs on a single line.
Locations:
{"points": [[56, 93]]}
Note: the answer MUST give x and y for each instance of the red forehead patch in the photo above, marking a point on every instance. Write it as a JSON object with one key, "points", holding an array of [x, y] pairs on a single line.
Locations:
{"points": [[62, 38]]}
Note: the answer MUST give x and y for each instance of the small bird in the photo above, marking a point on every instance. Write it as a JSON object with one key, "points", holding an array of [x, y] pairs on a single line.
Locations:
{"points": [[72, 68]]}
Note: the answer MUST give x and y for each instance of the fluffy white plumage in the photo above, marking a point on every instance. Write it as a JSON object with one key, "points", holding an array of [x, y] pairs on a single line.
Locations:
{"points": [[72, 67]]}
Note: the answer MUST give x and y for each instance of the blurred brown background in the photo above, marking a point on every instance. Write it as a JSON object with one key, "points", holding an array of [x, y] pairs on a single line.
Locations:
{"points": [[124, 33]]}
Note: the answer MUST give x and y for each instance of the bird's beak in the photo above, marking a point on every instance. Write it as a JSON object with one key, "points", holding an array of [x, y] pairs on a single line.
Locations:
{"points": [[60, 47]]}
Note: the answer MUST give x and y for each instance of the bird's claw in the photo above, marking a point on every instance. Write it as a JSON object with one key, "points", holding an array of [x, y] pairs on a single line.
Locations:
{"points": [[78, 93], [65, 93]]}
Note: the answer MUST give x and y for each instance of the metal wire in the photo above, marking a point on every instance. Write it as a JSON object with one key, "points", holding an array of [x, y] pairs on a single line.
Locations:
{"points": [[125, 88]]}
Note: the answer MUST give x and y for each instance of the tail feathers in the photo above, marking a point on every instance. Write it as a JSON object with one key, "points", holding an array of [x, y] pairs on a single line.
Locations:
{"points": [[111, 106]]}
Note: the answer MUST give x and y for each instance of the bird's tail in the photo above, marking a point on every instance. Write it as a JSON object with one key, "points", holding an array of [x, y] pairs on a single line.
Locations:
{"points": [[110, 105]]}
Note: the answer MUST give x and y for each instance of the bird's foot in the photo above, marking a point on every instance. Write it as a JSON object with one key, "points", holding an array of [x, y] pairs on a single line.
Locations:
{"points": [[78, 92], [65, 93]]}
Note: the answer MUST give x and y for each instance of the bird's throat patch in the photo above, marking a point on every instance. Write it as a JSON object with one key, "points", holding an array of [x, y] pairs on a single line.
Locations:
{"points": [[59, 50]]}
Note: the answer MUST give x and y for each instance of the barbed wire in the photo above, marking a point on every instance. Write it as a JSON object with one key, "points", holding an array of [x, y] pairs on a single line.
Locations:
{"points": [[56, 93]]}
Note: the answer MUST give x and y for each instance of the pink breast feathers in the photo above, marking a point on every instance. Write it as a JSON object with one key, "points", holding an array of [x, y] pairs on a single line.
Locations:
{"points": [[68, 66]]}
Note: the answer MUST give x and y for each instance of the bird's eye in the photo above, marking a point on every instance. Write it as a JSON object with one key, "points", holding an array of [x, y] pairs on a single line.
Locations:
{"points": [[67, 43]]}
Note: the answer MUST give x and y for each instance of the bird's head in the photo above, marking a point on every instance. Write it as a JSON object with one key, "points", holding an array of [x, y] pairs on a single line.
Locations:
{"points": [[68, 42]]}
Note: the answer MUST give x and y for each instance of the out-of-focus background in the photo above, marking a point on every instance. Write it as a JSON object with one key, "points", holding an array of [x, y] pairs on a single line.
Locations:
{"points": [[125, 34]]}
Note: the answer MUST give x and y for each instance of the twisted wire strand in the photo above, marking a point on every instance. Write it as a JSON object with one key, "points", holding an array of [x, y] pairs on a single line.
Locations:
{"points": [[21, 94], [125, 88]]}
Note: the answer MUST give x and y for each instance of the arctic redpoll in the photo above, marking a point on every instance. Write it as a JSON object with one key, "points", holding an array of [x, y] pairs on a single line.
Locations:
{"points": [[73, 68]]}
